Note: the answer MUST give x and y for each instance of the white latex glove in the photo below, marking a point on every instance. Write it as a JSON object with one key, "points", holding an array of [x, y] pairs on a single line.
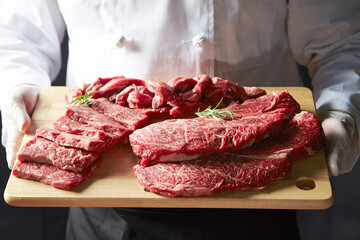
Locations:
{"points": [[15, 117], [342, 141]]}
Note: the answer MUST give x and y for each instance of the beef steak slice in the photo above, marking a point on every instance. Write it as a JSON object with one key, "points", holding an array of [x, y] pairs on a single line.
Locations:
{"points": [[126, 116], [87, 143], [42, 150], [51, 175], [95, 119], [185, 139], [65, 124]]}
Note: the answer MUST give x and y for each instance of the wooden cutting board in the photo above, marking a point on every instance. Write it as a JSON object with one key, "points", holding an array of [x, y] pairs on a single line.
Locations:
{"points": [[114, 185]]}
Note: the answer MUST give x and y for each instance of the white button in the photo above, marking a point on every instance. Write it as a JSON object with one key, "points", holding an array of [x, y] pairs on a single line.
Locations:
{"points": [[121, 42], [199, 40]]}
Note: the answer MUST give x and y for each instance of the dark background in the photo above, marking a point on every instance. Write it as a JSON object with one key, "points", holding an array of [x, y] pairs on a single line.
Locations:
{"points": [[341, 221]]}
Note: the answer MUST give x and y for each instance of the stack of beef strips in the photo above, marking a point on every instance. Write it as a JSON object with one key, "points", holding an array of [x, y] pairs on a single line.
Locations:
{"points": [[178, 157]]}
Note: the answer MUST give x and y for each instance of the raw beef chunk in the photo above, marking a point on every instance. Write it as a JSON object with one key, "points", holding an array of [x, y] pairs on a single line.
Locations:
{"points": [[182, 84], [224, 89], [136, 100], [254, 92], [184, 87], [163, 94], [99, 83], [114, 86]]}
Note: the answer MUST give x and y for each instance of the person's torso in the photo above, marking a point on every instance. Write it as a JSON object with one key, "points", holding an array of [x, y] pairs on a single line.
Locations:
{"points": [[243, 41]]}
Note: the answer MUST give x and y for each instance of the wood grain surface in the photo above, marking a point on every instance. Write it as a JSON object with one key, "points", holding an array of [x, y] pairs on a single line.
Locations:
{"points": [[114, 185]]}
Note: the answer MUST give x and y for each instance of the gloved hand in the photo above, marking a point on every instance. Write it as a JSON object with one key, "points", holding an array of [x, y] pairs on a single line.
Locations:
{"points": [[342, 141], [15, 117]]}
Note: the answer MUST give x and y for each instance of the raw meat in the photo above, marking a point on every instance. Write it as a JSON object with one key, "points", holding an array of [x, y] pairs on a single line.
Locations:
{"points": [[204, 88], [254, 92], [51, 175], [266, 103], [137, 99], [126, 116], [212, 174], [203, 82], [104, 87], [253, 167], [302, 137], [111, 88], [73, 93], [121, 98], [71, 140], [184, 87], [87, 88], [65, 124], [163, 94], [224, 89], [161, 113], [176, 140], [42, 150], [177, 95], [182, 84], [100, 82], [185, 139], [93, 118], [187, 108]]}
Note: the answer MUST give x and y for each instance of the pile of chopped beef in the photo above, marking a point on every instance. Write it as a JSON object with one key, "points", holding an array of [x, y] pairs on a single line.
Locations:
{"points": [[181, 96]]}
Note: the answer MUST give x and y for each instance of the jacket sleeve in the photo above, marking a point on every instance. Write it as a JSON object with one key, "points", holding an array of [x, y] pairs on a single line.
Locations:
{"points": [[324, 35], [31, 32]]}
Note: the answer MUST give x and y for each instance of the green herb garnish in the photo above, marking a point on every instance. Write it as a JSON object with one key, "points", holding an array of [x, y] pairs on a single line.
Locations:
{"points": [[83, 99], [217, 114]]}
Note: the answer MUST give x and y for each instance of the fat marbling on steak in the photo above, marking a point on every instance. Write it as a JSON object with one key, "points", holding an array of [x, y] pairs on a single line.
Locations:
{"points": [[186, 139], [251, 168]]}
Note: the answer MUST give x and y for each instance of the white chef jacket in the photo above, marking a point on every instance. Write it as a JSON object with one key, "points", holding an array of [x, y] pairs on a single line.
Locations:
{"points": [[250, 42]]}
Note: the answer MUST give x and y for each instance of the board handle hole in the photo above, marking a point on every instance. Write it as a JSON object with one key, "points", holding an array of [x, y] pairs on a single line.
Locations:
{"points": [[305, 183]]}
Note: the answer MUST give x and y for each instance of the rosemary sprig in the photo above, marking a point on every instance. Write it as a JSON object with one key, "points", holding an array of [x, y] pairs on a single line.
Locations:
{"points": [[83, 99], [217, 114]]}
